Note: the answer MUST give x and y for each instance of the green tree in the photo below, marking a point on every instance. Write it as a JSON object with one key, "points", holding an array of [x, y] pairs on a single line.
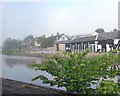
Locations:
{"points": [[11, 45], [48, 42], [51, 41], [115, 30], [41, 39], [77, 73], [29, 41], [100, 30]]}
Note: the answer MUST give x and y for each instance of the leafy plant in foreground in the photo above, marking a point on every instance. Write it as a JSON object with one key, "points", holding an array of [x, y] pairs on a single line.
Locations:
{"points": [[77, 73]]}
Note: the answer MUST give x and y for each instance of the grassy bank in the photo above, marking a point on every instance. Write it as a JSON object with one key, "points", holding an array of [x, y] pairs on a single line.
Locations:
{"points": [[31, 54], [24, 53]]}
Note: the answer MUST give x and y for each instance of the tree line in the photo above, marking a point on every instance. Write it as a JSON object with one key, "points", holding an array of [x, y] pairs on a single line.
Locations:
{"points": [[13, 45]]}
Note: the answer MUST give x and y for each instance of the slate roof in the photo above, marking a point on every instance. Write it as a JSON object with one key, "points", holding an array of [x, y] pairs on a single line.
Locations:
{"points": [[83, 39], [101, 36], [108, 35]]}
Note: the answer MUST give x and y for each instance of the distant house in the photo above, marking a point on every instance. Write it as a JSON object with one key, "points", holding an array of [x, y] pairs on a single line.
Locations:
{"points": [[102, 42], [60, 42]]}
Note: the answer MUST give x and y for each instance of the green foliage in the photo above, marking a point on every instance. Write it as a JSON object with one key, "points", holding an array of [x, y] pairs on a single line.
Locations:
{"points": [[76, 73], [108, 87], [11, 45], [48, 42], [99, 30], [115, 30], [29, 41], [40, 39]]}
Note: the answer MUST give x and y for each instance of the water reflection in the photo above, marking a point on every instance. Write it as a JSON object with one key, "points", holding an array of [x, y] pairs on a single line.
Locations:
{"points": [[13, 61], [18, 68]]}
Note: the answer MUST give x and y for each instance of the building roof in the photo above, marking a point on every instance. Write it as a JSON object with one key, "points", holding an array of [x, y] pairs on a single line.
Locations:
{"points": [[83, 39], [60, 35], [100, 36], [108, 35]]}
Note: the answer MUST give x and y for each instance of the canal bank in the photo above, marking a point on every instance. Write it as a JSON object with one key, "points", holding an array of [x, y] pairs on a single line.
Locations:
{"points": [[35, 54], [15, 87]]}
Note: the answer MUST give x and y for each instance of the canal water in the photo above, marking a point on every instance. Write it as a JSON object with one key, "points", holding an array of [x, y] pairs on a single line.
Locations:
{"points": [[18, 68]]}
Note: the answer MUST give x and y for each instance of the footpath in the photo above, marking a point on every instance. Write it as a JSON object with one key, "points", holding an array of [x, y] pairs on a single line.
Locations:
{"points": [[16, 88]]}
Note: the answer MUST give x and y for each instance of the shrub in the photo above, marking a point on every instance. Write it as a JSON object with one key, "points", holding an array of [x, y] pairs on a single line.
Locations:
{"points": [[77, 73]]}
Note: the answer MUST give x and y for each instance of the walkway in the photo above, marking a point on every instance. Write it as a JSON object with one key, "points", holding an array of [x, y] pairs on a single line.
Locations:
{"points": [[15, 87]]}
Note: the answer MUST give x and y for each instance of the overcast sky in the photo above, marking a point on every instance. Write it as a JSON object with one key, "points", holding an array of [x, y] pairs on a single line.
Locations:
{"points": [[20, 19]]}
